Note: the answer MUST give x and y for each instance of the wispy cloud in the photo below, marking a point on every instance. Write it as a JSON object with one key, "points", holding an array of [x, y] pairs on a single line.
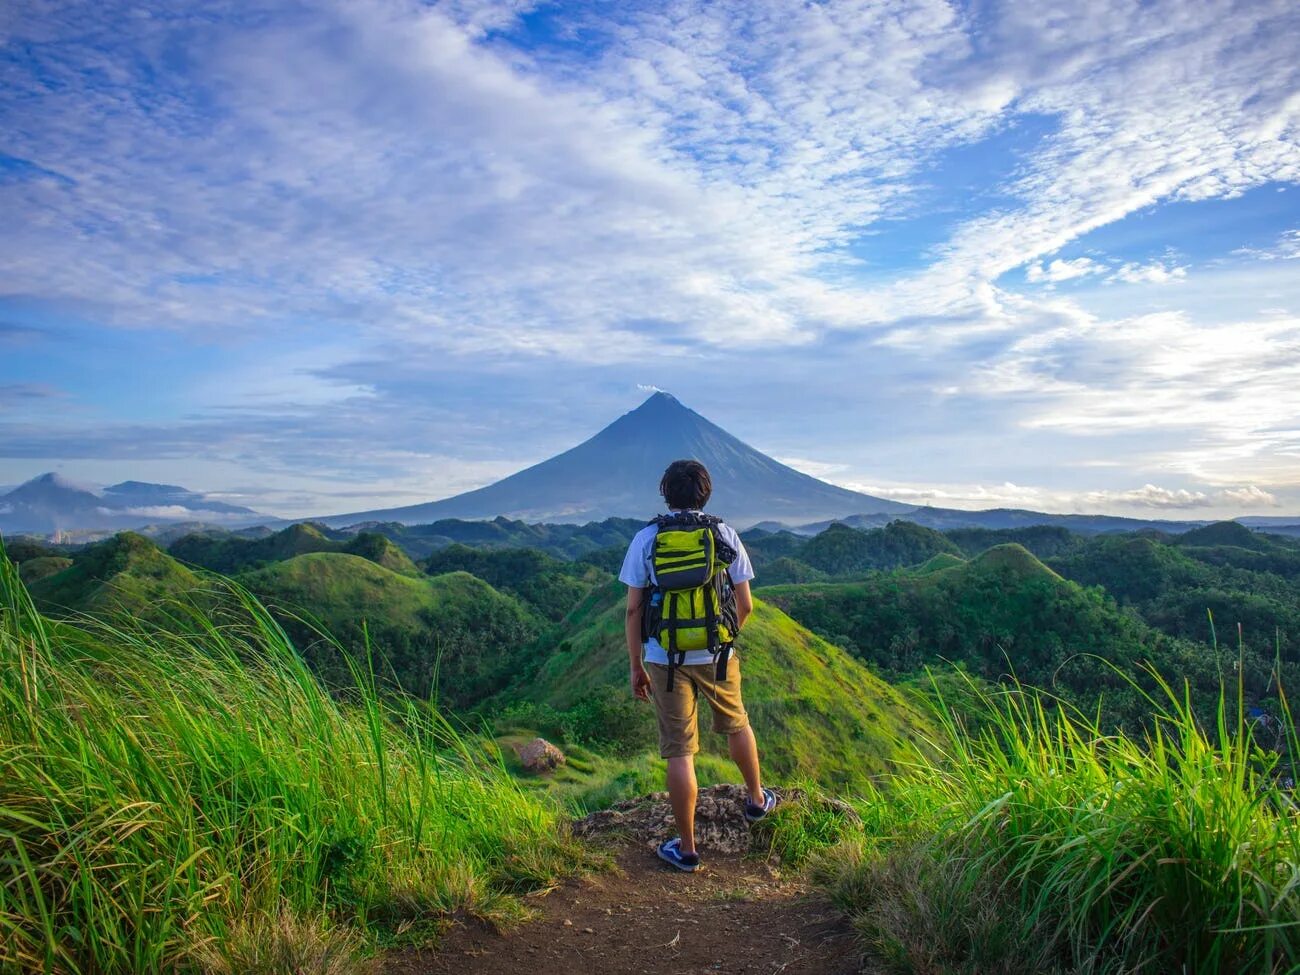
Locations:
{"points": [[1245, 499], [1063, 270]]}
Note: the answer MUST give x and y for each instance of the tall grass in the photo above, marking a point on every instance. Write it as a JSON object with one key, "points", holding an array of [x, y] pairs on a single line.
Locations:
{"points": [[186, 796], [1040, 843]]}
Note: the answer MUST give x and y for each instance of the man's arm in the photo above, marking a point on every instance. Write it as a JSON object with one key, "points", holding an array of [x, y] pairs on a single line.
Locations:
{"points": [[744, 603], [632, 628]]}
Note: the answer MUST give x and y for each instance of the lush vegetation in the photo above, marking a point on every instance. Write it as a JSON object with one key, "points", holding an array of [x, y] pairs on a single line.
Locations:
{"points": [[1005, 614], [1118, 826], [125, 574], [549, 586], [229, 554], [451, 637], [1044, 844], [561, 541], [821, 714], [187, 797]]}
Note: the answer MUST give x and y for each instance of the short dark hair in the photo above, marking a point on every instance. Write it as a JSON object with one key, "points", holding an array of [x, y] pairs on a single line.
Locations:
{"points": [[686, 484]]}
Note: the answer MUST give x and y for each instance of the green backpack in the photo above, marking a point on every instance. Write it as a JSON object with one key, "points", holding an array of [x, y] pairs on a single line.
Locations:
{"points": [[691, 605]]}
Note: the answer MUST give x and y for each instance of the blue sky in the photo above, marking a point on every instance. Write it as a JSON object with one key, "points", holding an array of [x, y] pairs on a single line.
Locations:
{"points": [[320, 257]]}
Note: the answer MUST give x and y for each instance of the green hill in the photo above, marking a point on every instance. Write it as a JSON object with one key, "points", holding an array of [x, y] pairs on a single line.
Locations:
{"points": [[383, 552], [229, 554], [561, 541], [844, 551], [42, 567], [124, 573], [1174, 586], [1002, 612], [1223, 533], [787, 569], [452, 633], [937, 563], [818, 713], [550, 586]]}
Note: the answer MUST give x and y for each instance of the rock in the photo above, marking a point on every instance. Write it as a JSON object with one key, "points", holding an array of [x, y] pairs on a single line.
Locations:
{"points": [[539, 755], [720, 824]]}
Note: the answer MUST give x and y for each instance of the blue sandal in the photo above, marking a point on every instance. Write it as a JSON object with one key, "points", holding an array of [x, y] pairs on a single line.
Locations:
{"points": [[670, 851], [754, 812]]}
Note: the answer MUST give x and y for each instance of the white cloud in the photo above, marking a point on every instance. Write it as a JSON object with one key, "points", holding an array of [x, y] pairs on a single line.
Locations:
{"points": [[1250, 497], [1061, 501], [1157, 272], [1149, 496], [380, 162], [1062, 270], [1286, 248], [173, 512]]}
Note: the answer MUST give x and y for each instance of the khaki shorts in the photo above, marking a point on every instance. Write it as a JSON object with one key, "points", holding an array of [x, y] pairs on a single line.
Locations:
{"points": [[678, 728]]}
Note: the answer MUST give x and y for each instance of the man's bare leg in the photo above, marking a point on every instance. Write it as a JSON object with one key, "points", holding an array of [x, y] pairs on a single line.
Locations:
{"points": [[744, 752], [682, 790]]}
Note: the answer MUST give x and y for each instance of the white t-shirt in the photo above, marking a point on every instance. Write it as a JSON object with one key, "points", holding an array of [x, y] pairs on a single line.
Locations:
{"points": [[638, 572]]}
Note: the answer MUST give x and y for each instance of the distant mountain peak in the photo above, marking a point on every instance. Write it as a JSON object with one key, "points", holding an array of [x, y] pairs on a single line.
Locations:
{"points": [[52, 502], [53, 479], [616, 473]]}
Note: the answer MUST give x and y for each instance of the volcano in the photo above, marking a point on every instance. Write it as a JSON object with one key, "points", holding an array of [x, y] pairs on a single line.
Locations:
{"points": [[616, 474]]}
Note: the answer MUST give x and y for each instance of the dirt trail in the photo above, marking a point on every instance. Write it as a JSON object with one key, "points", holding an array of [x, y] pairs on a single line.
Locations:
{"points": [[733, 915]]}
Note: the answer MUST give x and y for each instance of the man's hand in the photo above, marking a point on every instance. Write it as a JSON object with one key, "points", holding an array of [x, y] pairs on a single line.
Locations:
{"points": [[640, 683]]}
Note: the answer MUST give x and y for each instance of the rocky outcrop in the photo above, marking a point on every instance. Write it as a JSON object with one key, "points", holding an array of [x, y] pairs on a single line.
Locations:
{"points": [[539, 755], [720, 824]]}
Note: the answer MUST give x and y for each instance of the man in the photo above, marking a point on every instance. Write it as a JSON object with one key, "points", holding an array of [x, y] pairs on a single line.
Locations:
{"points": [[686, 487]]}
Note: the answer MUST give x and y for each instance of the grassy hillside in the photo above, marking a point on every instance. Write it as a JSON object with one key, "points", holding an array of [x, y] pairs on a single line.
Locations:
{"points": [[818, 713], [842, 551], [1006, 612], [192, 800], [560, 541], [549, 586], [1172, 586], [452, 633], [1001, 613], [42, 567], [229, 553], [125, 573], [1027, 848], [937, 563]]}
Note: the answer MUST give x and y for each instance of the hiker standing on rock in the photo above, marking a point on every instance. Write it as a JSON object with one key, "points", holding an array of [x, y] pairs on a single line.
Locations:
{"points": [[687, 576]]}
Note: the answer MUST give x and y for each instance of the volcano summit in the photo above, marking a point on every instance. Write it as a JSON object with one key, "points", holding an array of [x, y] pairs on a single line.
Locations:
{"points": [[616, 474]]}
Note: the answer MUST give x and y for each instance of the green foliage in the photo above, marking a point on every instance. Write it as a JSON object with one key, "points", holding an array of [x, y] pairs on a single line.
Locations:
{"points": [[766, 547], [1098, 852], [123, 574], [605, 718], [42, 567], [937, 563], [818, 714], [803, 828], [184, 796], [1229, 533], [1044, 541], [230, 554], [787, 570], [26, 547], [841, 550], [548, 585], [561, 541], [1006, 614], [451, 636], [1172, 586]]}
